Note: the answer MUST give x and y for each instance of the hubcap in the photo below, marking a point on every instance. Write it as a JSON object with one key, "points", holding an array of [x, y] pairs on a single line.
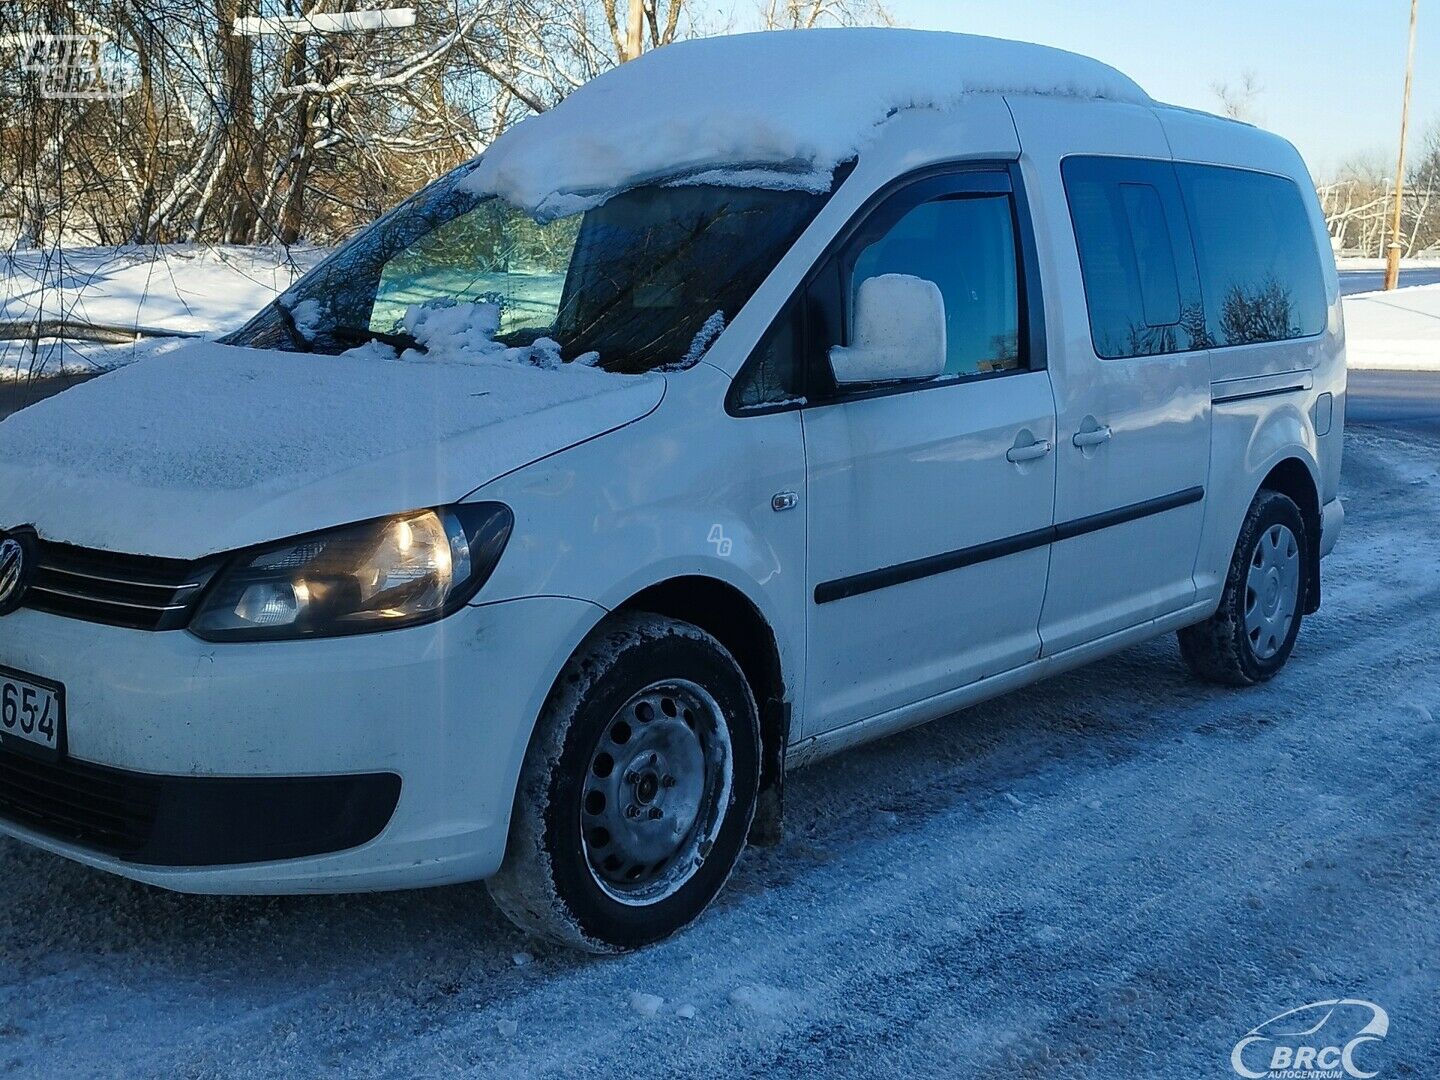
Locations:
{"points": [[655, 792], [1272, 591]]}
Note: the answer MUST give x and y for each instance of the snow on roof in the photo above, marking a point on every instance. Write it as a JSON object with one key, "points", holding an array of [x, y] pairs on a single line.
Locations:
{"points": [[806, 99]]}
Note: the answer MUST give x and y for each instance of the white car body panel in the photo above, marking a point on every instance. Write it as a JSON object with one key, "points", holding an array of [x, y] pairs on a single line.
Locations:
{"points": [[1250, 437], [434, 704]]}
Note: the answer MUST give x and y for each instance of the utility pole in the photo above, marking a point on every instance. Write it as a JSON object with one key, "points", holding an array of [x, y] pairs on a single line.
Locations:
{"points": [[635, 30], [1392, 254]]}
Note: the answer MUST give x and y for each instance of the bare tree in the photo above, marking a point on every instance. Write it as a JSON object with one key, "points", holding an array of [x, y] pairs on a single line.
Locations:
{"points": [[660, 23], [1354, 202], [1419, 223], [806, 14], [293, 134], [1237, 100]]}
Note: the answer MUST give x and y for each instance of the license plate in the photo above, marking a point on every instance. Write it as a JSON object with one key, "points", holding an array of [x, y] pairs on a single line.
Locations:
{"points": [[32, 714]]}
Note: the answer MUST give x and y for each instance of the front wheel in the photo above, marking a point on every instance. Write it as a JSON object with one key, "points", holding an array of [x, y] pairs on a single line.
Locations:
{"points": [[637, 790], [1253, 632]]}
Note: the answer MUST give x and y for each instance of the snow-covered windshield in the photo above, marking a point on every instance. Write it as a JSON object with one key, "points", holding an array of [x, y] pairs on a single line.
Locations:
{"points": [[635, 279]]}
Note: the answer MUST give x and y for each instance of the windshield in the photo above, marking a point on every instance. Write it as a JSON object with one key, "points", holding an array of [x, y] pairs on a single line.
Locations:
{"points": [[634, 280]]}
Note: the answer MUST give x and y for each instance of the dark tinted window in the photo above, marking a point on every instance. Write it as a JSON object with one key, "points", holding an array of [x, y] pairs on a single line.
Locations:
{"points": [[1135, 257], [772, 375], [635, 279], [1259, 266], [966, 246]]}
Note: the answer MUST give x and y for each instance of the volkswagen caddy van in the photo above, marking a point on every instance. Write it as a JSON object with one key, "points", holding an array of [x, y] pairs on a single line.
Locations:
{"points": [[770, 395]]}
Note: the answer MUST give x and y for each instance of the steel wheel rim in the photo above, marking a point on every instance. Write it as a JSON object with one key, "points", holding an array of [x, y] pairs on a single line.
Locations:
{"points": [[1272, 591], [655, 792]]}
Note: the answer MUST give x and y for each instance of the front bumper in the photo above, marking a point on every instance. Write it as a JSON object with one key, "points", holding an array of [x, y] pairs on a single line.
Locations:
{"points": [[447, 709], [194, 820]]}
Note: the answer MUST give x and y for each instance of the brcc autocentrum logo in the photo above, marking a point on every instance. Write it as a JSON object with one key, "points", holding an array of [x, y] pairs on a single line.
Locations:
{"points": [[1320, 1041], [84, 66]]}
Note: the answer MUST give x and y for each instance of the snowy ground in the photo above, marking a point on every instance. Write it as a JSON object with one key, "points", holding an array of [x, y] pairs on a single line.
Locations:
{"points": [[1117, 873], [1394, 331], [199, 289], [205, 290]]}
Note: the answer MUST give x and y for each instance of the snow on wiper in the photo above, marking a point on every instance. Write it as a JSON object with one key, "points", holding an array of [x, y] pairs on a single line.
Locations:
{"points": [[292, 328], [353, 335]]}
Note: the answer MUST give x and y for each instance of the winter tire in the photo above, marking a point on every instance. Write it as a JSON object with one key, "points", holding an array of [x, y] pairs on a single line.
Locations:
{"points": [[637, 790], [1251, 635]]}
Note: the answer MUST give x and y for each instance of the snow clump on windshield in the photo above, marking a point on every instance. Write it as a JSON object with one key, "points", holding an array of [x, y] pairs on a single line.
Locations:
{"points": [[464, 333]]}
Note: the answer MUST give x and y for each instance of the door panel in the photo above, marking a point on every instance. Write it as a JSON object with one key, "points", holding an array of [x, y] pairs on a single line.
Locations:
{"points": [[919, 476], [929, 506], [1133, 448]]}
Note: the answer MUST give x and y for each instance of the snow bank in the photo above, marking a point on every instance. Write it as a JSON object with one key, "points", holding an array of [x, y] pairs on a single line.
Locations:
{"points": [[190, 288], [1366, 262], [179, 287], [805, 100], [1398, 331]]}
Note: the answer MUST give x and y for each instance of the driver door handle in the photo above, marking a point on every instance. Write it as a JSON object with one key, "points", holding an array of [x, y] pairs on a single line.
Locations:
{"points": [[1083, 439], [1035, 450]]}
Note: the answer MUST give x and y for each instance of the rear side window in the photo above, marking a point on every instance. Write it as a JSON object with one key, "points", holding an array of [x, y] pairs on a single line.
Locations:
{"points": [[1135, 257], [1259, 267]]}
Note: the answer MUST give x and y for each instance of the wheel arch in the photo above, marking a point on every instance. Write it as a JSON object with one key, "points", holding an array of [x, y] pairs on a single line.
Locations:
{"points": [[1294, 478], [732, 618]]}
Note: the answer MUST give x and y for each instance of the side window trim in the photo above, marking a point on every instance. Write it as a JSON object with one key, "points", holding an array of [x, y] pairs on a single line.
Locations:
{"points": [[962, 178], [1137, 197]]}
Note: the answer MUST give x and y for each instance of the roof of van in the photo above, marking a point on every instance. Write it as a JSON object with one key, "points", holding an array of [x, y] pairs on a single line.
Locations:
{"points": [[797, 102]]}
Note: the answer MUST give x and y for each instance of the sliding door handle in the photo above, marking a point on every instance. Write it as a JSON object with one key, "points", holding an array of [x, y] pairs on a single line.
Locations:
{"points": [[1083, 439], [1035, 450]]}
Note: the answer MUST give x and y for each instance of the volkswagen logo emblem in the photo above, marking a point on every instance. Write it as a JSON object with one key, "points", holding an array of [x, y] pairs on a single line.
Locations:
{"points": [[16, 564]]}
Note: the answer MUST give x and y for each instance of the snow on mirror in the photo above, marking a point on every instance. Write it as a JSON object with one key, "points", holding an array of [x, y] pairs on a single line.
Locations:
{"points": [[899, 332]]}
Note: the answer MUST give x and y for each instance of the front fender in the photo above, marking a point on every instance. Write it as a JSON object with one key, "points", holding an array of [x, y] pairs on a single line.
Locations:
{"points": [[685, 491]]}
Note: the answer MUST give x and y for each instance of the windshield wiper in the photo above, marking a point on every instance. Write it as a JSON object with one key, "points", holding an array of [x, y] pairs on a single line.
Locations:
{"points": [[354, 335], [292, 329]]}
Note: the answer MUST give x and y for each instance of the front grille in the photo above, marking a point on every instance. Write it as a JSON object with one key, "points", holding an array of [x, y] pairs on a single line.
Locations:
{"points": [[137, 591], [104, 809]]}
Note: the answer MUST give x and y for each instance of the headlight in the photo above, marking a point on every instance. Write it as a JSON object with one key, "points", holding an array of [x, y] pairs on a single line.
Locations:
{"points": [[376, 575]]}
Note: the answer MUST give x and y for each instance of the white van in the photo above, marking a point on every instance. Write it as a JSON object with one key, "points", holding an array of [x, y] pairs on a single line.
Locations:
{"points": [[770, 395]]}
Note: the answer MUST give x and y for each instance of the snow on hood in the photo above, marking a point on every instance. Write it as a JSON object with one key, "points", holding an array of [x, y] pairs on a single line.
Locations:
{"points": [[212, 448], [804, 99]]}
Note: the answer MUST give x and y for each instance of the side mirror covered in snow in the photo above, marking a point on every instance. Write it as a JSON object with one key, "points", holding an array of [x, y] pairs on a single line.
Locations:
{"points": [[899, 332]]}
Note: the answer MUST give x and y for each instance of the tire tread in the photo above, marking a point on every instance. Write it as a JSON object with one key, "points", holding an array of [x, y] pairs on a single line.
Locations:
{"points": [[1213, 649]]}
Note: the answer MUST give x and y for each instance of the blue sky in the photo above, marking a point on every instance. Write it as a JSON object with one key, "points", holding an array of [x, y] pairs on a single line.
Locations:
{"points": [[1331, 70]]}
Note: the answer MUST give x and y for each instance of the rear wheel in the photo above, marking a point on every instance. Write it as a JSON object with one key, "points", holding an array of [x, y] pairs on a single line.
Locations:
{"points": [[1253, 632], [637, 791]]}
